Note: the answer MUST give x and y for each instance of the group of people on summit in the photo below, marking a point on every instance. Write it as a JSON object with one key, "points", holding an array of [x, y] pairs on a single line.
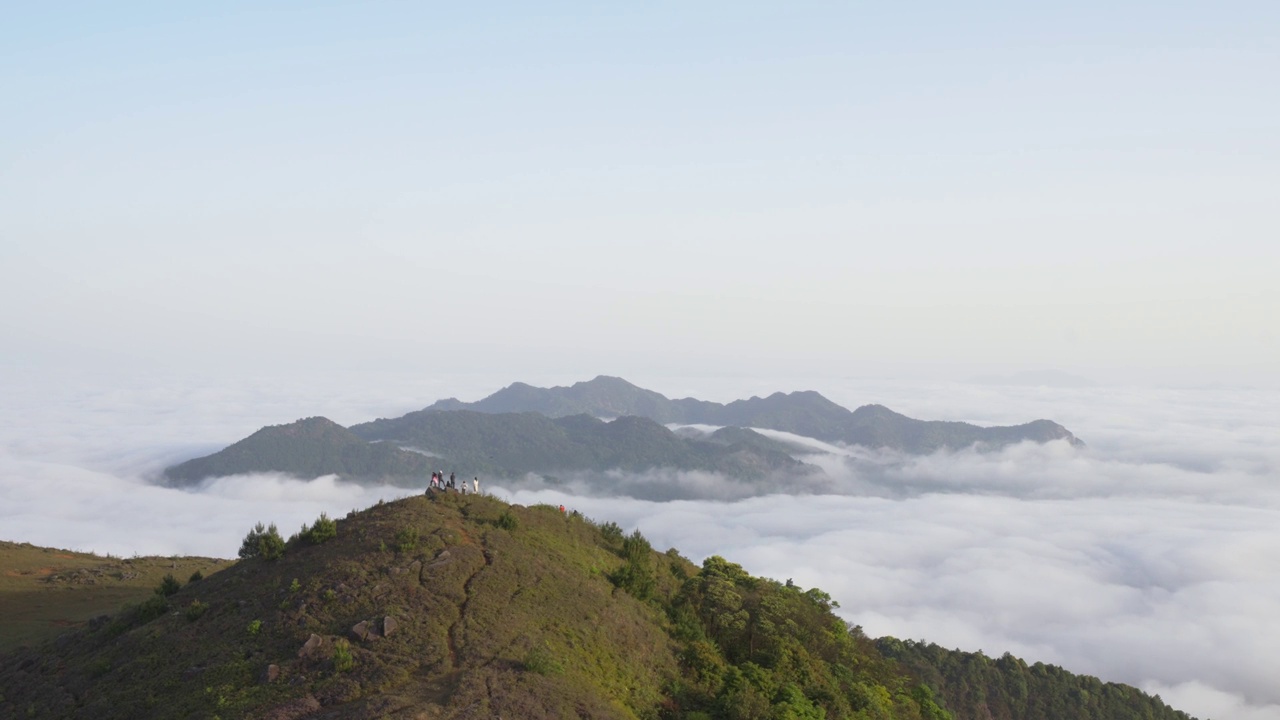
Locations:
{"points": [[438, 482]]}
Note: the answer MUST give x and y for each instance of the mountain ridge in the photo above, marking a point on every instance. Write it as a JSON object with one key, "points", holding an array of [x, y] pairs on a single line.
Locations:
{"points": [[803, 412]]}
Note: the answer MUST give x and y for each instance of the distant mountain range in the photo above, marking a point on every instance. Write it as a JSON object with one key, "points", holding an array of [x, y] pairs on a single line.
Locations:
{"points": [[522, 429], [803, 413]]}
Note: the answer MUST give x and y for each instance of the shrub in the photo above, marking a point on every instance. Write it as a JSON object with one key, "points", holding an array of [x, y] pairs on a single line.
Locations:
{"points": [[151, 608], [195, 610], [322, 531], [196, 576], [507, 521], [406, 540], [264, 543], [542, 661], [254, 628], [636, 577], [295, 586], [343, 660], [636, 547], [611, 531], [168, 586]]}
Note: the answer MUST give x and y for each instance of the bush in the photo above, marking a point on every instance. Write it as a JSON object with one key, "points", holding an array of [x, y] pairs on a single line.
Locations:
{"points": [[611, 531], [168, 586], [507, 521], [542, 661], [151, 608], [343, 660], [322, 531], [254, 628], [295, 586], [264, 543], [636, 577], [636, 547], [406, 540], [196, 576], [195, 610]]}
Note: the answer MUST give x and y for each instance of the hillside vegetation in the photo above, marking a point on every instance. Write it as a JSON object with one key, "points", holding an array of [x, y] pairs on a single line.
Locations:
{"points": [[1007, 688], [452, 606]]}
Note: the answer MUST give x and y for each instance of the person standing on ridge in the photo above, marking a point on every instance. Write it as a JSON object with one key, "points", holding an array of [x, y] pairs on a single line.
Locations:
{"points": [[475, 485], [452, 478]]}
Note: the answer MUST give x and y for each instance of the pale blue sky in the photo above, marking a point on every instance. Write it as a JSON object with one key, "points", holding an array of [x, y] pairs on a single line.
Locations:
{"points": [[680, 188]]}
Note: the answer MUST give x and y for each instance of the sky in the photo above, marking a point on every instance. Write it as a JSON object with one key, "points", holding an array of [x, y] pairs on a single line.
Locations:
{"points": [[216, 217], [743, 188]]}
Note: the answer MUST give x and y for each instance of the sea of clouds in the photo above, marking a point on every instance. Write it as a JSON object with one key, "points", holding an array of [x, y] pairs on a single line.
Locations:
{"points": [[1151, 556]]}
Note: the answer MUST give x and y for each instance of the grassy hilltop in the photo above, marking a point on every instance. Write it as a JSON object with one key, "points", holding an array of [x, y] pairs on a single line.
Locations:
{"points": [[454, 606], [45, 592]]}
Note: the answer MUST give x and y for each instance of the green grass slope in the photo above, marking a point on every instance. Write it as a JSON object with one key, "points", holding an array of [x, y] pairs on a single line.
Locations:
{"points": [[45, 592]]}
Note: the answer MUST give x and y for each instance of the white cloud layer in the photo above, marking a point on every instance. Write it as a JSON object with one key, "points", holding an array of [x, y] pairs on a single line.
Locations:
{"points": [[1150, 557]]}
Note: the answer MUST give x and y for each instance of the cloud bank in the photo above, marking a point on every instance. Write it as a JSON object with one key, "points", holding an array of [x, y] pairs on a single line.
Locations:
{"points": [[1151, 557]]}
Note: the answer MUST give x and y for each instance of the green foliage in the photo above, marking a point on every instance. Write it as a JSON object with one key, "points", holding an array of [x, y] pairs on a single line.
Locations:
{"points": [[543, 661], [636, 576], [168, 586], [144, 612], [196, 577], [263, 543], [254, 627], [295, 586], [323, 530], [195, 610], [507, 521], [611, 531], [406, 540], [756, 648], [1007, 687], [343, 660]]}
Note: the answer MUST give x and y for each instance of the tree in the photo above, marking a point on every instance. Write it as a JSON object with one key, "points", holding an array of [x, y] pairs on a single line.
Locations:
{"points": [[264, 543]]}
